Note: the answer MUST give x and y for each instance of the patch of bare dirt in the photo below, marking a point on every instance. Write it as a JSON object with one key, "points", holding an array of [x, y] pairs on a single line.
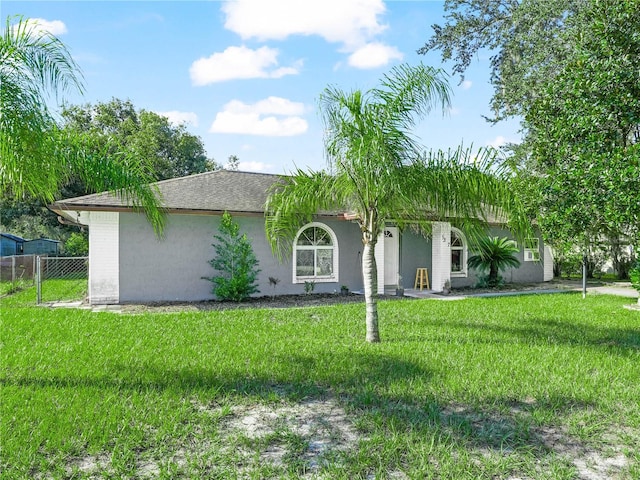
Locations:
{"points": [[321, 425], [607, 462]]}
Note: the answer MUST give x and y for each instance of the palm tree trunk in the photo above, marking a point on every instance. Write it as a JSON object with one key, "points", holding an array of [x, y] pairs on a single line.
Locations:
{"points": [[370, 276], [493, 274]]}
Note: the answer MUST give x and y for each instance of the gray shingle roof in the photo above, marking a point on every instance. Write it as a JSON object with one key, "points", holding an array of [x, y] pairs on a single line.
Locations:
{"points": [[207, 192]]}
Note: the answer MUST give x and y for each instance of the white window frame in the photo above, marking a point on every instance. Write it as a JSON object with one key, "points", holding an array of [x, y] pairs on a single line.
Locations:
{"points": [[462, 273], [531, 249], [334, 277]]}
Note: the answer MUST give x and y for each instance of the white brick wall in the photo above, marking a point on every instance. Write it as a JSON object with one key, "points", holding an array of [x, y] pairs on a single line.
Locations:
{"points": [[104, 257], [440, 255]]}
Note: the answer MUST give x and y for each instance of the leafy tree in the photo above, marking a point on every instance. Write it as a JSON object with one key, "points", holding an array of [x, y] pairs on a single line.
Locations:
{"points": [[77, 245], [584, 127], [169, 150], [233, 163], [235, 262], [571, 72], [524, 39], [37, 158], [494, 255], [378, 173]]}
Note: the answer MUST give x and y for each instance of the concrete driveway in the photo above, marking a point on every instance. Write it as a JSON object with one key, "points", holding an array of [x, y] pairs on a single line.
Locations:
{"points": [[622, 289]]}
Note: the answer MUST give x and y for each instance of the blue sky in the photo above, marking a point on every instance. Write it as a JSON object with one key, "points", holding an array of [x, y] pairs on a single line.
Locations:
{"points": [[246, 75]]}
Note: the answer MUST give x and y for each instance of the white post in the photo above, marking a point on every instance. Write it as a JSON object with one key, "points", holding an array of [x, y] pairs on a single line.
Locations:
{"points": [[440, 254], [38, 281]]}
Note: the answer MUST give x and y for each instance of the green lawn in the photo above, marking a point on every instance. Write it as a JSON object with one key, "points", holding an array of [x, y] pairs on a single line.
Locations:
{"points": [[531, 387]]}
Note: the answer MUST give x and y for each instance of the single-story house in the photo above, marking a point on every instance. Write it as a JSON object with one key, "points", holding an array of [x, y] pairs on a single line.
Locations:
{"points": [[11, 245], [128, 263]]}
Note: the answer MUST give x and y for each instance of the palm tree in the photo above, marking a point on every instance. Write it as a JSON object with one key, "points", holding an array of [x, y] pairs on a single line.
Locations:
{"points": [[37, 158], [377, 173], [495, 255]]}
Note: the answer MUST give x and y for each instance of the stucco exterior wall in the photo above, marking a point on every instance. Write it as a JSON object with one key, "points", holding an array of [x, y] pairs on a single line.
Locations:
{"points": [[415, 252], [171, 269], [528, 272]]}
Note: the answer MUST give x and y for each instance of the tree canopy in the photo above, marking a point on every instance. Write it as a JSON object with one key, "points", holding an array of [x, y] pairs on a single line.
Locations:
{"points": [[570, 71], [169, 150]]}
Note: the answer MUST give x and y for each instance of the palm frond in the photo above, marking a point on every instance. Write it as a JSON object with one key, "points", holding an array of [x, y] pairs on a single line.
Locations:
{"points": [[36, 157], [294, 202]]}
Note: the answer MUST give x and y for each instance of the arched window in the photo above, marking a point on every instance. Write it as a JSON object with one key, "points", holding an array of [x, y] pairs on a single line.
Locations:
{"points": [[315, 254], [458, 253]]}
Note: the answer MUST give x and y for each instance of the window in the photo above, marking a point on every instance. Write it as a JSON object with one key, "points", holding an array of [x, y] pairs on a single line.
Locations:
{"points": [[458, 254], [531, 250], [315, 256]]}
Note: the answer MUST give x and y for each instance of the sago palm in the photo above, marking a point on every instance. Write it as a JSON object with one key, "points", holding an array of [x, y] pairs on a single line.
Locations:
{"points": [[377, 172], [36, 157], [494, 255]]}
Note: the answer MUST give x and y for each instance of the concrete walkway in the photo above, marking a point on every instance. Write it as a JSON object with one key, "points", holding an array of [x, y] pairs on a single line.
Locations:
{"points": [[84, 306], [621, 289]]}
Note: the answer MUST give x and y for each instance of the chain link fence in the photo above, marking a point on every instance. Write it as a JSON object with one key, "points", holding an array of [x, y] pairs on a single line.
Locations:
{"points": [[17, 272], [61, 278], [17, 268]]}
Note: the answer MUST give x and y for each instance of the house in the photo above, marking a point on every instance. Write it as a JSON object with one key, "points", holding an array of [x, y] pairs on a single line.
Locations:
{"points": [[42, 246], [128, 263], [11, 245]]}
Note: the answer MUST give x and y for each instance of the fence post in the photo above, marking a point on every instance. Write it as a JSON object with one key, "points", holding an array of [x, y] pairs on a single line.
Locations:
{"points": [[38, 281], [13, 268]]}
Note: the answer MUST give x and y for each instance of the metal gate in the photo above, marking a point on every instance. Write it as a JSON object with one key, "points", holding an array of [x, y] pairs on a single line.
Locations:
{"points": [[61, 279]]}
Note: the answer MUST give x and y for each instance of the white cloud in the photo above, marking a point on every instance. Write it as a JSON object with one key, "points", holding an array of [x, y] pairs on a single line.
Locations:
{"points": [[453, 111], [178, 118], [374, 55], [40, 26], [239, 62], [271, 117], [254, 166], [466, 85], [350, 22], [497, 142], [274, 105]]}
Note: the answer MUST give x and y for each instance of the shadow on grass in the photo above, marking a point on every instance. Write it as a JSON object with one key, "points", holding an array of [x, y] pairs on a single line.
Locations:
{"points": [[310, 378], [537, 331], [363, 389]]}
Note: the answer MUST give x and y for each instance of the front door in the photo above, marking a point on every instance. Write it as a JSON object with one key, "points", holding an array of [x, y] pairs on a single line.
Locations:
{"points": [[391, 255]]}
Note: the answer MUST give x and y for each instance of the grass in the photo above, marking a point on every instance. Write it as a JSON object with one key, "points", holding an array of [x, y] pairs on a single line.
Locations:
{"points": [[53, 290], [11, 287], [512, 387]]}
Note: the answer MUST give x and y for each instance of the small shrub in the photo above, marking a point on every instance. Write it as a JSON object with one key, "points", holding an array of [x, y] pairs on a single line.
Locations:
{"points": [[274, 283], [236, 263], [571, 264], [485, 282], [309, 286]]}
